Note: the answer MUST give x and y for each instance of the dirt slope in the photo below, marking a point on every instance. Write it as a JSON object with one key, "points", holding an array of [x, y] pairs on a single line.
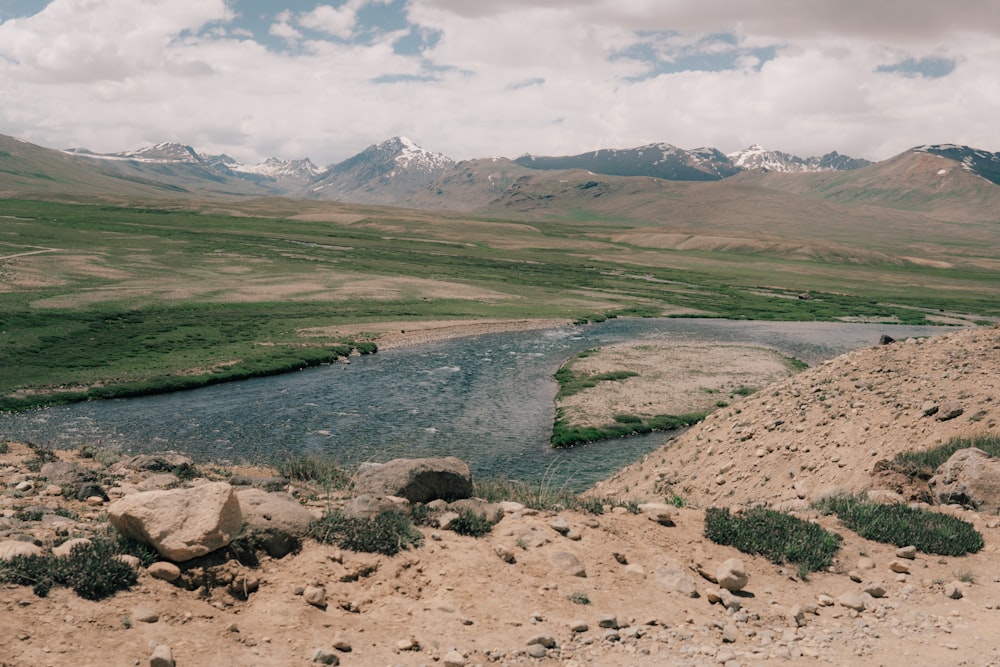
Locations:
{"points": [[827, 427]]}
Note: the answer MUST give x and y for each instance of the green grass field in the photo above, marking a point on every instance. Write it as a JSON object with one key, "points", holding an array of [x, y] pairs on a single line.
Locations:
{"points": [[108, 300]]}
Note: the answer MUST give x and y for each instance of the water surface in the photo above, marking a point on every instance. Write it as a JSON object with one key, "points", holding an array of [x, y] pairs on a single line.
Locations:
{"points": [[486, 399]]}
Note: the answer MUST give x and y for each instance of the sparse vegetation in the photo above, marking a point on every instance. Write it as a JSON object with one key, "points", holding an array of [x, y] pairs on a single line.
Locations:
{"points": [[902, 525], [315, 468], [578, 597], [471, 523], [387, 533], [541, 496], [922, 463], [567, 435], [91, 570], [777, 536]]}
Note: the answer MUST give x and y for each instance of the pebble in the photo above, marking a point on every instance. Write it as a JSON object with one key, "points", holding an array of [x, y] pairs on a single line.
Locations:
{"points": [[162, 656]]}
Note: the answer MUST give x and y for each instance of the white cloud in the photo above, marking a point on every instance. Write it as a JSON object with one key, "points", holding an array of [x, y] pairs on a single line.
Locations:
{"points": [[503, 78]]}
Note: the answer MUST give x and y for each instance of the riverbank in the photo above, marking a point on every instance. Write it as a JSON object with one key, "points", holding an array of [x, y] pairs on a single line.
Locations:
{"points": [[400, 334], [617, 388]]}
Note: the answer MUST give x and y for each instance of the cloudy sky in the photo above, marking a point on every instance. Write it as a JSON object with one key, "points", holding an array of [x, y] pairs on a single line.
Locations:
{"points": [[475, 78]]}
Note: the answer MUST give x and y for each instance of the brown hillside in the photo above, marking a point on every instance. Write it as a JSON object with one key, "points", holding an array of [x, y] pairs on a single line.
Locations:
{"points": [[828, 426]]}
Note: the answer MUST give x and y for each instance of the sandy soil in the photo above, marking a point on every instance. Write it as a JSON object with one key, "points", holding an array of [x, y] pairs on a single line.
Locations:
{"points": [[671, 380], [825, 426]]}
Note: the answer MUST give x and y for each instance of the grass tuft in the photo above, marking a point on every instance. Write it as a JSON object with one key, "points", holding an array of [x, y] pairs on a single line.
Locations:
{"points": [[777, 536], [471, 523], [91, 570], [930, 532], [387, 533]]}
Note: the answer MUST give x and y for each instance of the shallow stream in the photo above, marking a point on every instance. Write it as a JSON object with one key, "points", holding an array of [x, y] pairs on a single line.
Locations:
{"points": [[486, 399]]}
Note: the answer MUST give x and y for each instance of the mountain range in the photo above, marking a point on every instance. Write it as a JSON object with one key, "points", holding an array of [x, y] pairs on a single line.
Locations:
{"points": [[945, 179]]}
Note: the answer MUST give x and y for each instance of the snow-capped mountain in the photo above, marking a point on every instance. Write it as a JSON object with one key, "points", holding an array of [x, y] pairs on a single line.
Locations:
{"points": [[979, 162], [287, 174], [664, 161], [758, 158], [381, 173], [167, 152]]}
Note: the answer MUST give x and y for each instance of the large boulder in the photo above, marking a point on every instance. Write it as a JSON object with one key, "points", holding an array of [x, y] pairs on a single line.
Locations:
{"points": [[277, 520], [971, 477], [180, 524], [418, 480]]}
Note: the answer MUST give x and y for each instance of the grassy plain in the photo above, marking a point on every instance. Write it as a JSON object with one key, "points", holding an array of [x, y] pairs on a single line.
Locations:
{"points": [[105, 300]]}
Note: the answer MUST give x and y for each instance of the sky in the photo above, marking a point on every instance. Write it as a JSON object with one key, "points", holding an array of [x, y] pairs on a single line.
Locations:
{"points": [[475, 78]]}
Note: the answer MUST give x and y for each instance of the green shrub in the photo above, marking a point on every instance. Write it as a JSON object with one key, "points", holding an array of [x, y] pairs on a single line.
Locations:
{"points": [[578, 597], [930, 532], [387, 533], [777, 536], [91, 570], [4, 448], [471, 523]]}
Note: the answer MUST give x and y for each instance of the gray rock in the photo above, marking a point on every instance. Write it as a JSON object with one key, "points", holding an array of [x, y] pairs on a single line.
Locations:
{"points": [[145, 614], [547, 641], [732, 575], [165, 462], [453, 659], [277, 520], [180, 524], [970, 477], [909, 552], [876, 589], [492, 512], [678, 581], [162, 656], [852, 600], [325, 656], [560, 525], [315, 595], [536, 651], [899, 566], [418, 480], [568, 563], [661, 513], [953, 590], [949, 410]]}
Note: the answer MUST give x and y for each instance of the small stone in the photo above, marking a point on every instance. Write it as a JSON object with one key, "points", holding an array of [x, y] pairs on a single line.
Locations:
{"points": [[546, 641], [325, 656], [505, 554], [865, 563], [145, 614], [453, 659], [909, 552], [315, 595], [407, 645], [797, 615], [661, 513], [825, 600], [899, 566], [730, 633], [607, 621], [164, 570], [536, 651], [560, 525], [876, 589], [953, 590], [130, 560], [578, 626], [852, 600], [855, 576], [162, 656], [732, 575], [94, 501], [568, 563]]}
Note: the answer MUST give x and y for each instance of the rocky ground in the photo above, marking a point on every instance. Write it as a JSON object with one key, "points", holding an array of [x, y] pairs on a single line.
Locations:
{"points": [[566, 587]]}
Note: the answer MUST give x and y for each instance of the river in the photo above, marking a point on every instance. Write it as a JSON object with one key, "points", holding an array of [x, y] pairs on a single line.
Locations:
{"points": [[486, 399]]}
